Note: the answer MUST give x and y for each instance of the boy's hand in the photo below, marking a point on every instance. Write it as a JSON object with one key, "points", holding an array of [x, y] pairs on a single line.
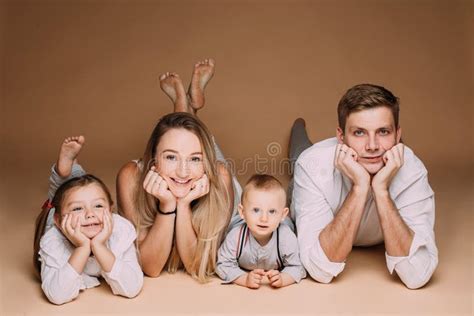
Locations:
{"points": [[274, 277], [254, 278]]}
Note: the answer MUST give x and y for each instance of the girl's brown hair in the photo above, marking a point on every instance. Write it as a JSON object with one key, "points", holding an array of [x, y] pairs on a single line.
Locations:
{"points": [[56, 203]]}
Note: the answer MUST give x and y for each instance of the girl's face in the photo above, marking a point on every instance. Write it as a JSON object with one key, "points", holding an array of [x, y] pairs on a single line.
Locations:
{"points": [[87, 205], [179, 160]]}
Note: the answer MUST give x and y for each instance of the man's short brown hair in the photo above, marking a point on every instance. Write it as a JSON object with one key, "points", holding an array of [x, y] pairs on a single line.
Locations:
{"points": [[366, 96], [262, 182]]}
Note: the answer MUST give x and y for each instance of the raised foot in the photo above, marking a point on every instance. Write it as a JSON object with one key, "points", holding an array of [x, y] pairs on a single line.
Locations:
{"points": [[68, 153]]}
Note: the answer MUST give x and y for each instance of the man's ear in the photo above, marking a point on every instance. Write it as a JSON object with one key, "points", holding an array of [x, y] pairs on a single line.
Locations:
{"points": [[340, 135], [241, 211], [399, 134], [285, 213]]}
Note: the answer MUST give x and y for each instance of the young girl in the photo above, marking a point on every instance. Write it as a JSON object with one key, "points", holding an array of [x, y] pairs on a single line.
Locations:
{"points": [[78, 239]]}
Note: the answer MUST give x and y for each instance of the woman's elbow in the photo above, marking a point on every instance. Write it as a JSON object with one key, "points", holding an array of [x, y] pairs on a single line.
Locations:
{"points": [[152, 272], [149, 265]]}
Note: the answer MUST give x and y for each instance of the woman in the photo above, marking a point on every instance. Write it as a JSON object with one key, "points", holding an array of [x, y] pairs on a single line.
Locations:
{"points": [[180, 195]]}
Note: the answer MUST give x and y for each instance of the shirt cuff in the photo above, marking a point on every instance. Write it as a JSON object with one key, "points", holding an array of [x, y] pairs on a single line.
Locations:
{"points": [[318, 256], [418, 241], [297, 273], [233, 275], [70, 273], [114, 273]]}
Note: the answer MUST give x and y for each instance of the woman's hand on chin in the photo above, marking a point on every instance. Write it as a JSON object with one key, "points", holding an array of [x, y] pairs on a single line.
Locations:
{"points": [[157, 186], [199, 189]]}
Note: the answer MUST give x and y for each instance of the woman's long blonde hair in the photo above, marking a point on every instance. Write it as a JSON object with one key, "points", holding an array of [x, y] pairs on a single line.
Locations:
{"points": [[211, 213]]}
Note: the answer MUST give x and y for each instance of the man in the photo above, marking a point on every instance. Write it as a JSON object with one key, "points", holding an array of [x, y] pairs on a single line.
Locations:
{"points": [[361, 188]]}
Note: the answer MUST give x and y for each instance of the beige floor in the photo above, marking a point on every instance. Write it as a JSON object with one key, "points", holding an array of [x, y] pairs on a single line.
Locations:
{"points": [[91, 67], [365, 287]]}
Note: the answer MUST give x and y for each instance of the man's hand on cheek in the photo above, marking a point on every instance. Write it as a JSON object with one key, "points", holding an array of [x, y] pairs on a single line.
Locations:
{"points": [[346, 161], [393, 159]]}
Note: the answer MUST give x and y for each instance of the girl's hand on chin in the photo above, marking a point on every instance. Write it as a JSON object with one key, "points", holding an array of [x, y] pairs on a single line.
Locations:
{"points": [[107, 228], [73, 233]]}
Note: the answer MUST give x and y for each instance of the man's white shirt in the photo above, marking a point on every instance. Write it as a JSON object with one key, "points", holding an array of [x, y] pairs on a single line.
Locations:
{"points": [[319, 192]]}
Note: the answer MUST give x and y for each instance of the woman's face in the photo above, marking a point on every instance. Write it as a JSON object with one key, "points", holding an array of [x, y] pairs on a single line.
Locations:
{"points": [[179, 160]]}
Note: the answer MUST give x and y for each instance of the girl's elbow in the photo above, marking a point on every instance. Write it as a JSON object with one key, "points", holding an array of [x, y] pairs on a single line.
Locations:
{"points": [[133, 292], [414, 283], [58, 298]]}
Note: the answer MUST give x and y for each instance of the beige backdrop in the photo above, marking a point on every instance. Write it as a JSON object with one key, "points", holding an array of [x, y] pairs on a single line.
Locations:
{"points": [[91, 68]]}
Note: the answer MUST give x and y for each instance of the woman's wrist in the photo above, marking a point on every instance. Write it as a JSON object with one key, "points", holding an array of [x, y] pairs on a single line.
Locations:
{"points": [[183, 205], [166, 208], [166, 213]]}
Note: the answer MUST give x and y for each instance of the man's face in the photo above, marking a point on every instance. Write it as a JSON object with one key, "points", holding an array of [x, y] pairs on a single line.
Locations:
{"points": [[370, 133]]}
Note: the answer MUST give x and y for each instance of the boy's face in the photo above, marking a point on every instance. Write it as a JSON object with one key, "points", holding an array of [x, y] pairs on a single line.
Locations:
{"points": [[263, 211], [370, 133]]}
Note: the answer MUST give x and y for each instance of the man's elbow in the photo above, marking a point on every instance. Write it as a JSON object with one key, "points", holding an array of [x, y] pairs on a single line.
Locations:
{"points": [[321, 278], [414, 282], [417, 277], [315, 272]]}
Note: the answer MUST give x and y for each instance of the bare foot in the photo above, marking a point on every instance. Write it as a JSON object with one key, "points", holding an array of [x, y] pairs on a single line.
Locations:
{"points": [[172, 85], [70, 148], [203, 72]]}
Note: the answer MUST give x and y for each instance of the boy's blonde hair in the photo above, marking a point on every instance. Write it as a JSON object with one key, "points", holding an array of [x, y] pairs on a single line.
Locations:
{"points": [[262, 182]]}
